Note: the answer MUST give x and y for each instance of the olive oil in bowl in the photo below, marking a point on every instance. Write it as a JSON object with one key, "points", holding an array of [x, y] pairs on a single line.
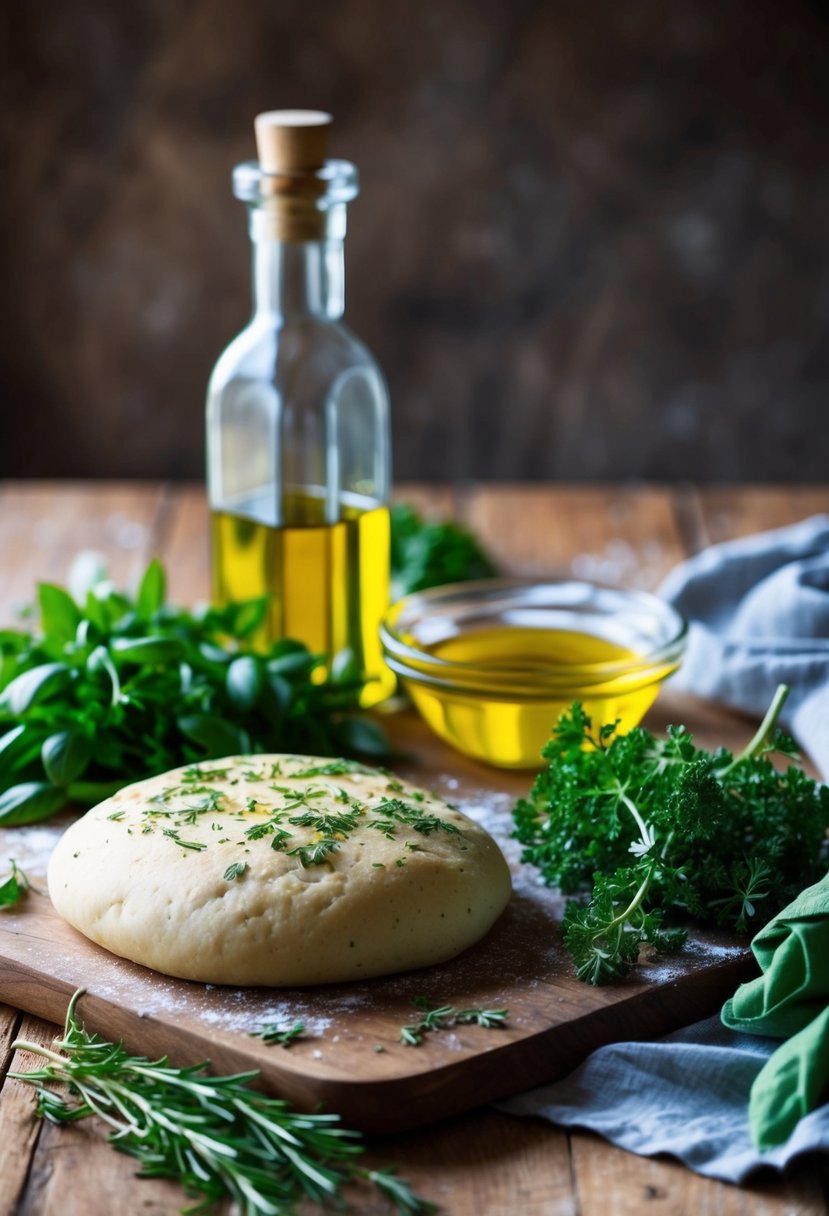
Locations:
{"points": [[491, 666], [507, 728]]}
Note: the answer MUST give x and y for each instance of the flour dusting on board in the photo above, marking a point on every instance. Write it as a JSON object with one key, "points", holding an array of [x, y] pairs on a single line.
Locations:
{"points": [[31, 847]]}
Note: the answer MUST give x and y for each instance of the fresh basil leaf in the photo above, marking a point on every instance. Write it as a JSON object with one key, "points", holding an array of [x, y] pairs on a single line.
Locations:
{"points": [[101, 660], [152, 590], [344, 667], [286, 646], [34, 686], [59, 614], [152, 650], [96, 612], [246, 617], [65, 755], [12, 642], [213, 653], [216, 735], [282, 691], [18, 747], [294, 662], [362, 735], [29, 802], [113, 607], [244, 682]]}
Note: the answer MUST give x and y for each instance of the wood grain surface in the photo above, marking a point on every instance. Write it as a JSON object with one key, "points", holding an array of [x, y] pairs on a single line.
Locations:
{"points": [[483, 1162]]}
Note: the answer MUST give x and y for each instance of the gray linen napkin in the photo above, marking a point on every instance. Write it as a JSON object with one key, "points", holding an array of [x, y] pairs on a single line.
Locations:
{"points": [[759, 616], [758, 610], [686, 1095]]}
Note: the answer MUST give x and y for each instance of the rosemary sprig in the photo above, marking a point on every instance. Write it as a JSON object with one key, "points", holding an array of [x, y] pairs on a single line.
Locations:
{"points": [[214, 1134], [272, 1032], [442, 1017]]}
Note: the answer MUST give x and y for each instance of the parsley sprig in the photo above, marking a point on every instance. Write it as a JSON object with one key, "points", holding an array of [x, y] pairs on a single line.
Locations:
{"points": [[657, 829], [214, 1134], [426, 553], [110, 688]]}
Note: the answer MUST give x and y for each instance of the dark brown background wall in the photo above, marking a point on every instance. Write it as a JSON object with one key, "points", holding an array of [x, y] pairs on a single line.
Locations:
{"points": [[590, 242]]}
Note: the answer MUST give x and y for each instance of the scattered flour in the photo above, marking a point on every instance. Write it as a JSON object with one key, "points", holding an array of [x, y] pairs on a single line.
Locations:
{"points": [[31, 847]]}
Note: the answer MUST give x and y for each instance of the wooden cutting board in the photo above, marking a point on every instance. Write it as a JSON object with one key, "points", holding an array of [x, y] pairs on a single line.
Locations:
{"points": [[350, 1059]]}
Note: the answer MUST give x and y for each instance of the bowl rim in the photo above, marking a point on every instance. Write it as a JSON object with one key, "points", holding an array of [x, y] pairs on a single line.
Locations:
{"points": [[413, 663]]}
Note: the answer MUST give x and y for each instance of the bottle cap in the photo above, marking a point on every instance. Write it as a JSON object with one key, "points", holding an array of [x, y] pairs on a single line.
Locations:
{"points": [[292, 141]]}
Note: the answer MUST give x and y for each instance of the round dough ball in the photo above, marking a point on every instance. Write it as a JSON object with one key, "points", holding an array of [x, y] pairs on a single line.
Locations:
{"points": [[278, 870]]}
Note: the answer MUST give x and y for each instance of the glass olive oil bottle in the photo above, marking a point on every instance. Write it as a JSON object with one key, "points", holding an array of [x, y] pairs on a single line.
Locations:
{"points": [[297, 418]]}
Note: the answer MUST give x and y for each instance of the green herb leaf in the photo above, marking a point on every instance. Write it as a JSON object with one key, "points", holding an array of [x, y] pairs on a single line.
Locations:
{"points": [[34, 686], [18, 748], [235, 871], [15, 887], [244, 682], [197, 846], [151, 591], [29, 802], [314, 854], [150, 650], [59, 614], [65, 756], [217, 736], [363, 736]]}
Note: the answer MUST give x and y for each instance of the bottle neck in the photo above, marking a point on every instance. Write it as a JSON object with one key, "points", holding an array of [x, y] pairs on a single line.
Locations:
{"points": [[294, 279]]}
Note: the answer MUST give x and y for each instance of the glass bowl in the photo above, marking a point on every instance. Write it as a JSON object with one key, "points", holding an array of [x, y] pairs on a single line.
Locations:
{"points": [[492, 665]]}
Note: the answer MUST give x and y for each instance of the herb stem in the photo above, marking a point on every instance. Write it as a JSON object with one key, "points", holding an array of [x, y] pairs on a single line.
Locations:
{"points": [[763, 731], [632, 907], [640, 823]]}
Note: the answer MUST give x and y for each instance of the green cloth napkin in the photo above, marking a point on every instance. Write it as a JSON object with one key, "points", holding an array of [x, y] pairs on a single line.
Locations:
{"points": [[790, 1000]]}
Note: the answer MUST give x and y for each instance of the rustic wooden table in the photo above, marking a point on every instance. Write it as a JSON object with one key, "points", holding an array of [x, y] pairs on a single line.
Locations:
{"points": [[484, 1163]]}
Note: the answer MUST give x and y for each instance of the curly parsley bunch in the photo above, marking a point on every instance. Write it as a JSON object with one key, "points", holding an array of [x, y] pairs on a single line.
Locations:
{"points": [[658, 829]]}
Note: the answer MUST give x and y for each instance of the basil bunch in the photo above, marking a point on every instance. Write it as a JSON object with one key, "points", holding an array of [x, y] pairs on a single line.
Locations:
{"points": [[113, 688]]}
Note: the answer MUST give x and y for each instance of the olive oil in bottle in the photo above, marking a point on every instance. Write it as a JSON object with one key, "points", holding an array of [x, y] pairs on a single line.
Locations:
{"points": [[327, 583], [297, 419]]}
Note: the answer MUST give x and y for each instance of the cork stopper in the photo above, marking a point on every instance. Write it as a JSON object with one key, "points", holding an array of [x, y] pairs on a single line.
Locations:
{"points": [[296, 192], [292, 141]]}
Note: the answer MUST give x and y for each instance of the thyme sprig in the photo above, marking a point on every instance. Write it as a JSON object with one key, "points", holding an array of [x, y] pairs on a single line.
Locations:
{"points": [[214, 1134], [443, 1017]]}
